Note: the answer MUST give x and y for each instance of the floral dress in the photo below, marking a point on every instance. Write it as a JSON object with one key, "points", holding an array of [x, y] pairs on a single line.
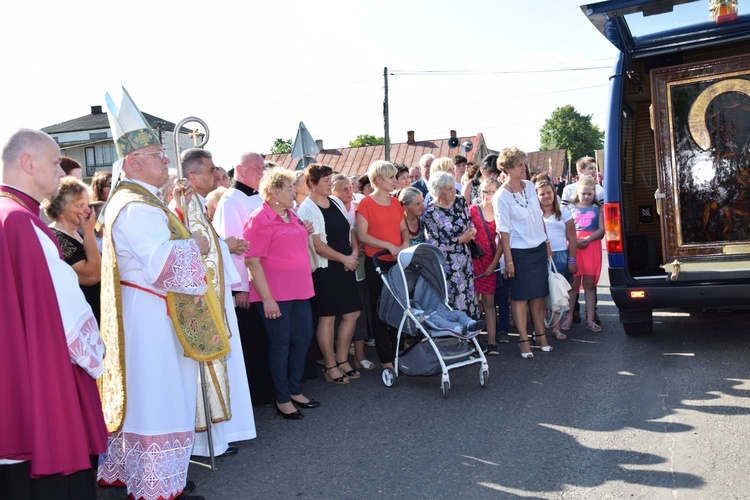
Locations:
{"points": [[442, 227]]}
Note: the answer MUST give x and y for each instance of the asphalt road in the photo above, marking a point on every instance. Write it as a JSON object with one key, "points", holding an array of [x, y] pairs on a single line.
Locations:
{"points": [[603, 416]]}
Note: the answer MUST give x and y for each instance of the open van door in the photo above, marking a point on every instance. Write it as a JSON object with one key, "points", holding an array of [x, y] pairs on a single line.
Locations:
{"points": [[677, 157]]}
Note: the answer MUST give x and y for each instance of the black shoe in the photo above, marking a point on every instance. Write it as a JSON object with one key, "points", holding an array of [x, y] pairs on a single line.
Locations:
{"points": [[231, 450], [502, 338], [492, 350], [189, 487], [289, 416], [310, 404], [596, 318]]}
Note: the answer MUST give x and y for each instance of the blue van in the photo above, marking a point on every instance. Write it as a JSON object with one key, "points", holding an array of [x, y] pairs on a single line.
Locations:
{"points": [[676, 157]]}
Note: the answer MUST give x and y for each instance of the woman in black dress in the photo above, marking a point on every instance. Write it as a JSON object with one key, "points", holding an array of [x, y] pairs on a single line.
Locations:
{"points": [[73, 224], [335, 280]]}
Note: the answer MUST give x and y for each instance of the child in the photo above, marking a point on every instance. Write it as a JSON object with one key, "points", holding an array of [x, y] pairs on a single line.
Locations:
{"points": [[589, 223], [447, 319], [561, 232]]}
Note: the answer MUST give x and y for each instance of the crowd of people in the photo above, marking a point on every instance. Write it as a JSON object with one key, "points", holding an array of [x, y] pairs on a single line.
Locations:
{"points": [[193, 285]]}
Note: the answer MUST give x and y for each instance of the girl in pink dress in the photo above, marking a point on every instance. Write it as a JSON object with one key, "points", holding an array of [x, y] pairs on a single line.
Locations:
{"points": [[586, 212]]}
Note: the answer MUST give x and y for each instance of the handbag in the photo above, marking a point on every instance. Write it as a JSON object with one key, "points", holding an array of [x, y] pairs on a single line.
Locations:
{"points": [[557, 301], [476, 250]]}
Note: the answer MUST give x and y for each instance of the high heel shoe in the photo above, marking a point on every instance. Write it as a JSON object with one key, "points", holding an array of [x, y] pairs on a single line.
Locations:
{"points": [[526, 355], [289, 416], [544, 348], [339, 380], [349, 373]]}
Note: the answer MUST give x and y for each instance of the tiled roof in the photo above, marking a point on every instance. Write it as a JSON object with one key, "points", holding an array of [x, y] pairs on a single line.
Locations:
{"points": [[99, 121], [540, 161], [354, 161]]}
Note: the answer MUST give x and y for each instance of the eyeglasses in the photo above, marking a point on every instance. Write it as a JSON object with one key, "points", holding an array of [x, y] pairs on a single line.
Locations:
{"points": [[161, 154]]}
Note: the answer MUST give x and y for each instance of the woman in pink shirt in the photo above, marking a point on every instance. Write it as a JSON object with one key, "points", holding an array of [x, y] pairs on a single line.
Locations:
{"points": [[279, 267]]}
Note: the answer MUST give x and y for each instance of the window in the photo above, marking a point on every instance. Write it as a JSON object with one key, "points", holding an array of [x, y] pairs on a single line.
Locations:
{"points": [[97, 135], [100, 155]]}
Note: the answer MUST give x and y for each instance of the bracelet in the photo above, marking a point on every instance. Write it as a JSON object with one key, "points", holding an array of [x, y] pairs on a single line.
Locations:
{"points": [[571, 260], [508, 264]]}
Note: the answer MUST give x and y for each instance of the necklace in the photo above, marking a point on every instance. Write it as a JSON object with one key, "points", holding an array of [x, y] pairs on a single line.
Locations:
{"points": [[525, 196], [419, 225]]}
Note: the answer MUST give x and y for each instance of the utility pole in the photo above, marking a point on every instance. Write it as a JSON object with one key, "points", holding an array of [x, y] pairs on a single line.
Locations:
{"points": [[385, 117]]}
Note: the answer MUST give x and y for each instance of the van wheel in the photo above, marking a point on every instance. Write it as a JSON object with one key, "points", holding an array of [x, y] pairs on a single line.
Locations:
{"points": [[639, 329]]}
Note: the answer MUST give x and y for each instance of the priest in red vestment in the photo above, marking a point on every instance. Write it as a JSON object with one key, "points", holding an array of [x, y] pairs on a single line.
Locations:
{"points": [[51, 423]]}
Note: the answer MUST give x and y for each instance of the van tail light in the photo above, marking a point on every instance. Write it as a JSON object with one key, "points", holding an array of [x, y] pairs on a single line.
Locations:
{"points": [[613, 227]]}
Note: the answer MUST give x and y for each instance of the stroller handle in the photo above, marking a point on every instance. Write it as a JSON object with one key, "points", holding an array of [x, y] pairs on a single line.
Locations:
{"points": [[375, 259]]}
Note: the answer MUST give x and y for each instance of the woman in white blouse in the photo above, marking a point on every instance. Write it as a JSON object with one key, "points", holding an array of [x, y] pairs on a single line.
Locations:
{"points": [[526, 247]]}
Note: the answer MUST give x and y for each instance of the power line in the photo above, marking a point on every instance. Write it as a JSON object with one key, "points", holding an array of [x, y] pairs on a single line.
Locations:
{"points": [[465, 72]]}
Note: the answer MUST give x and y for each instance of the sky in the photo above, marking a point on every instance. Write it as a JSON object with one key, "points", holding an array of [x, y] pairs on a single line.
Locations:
{"points": [[253, 70]]}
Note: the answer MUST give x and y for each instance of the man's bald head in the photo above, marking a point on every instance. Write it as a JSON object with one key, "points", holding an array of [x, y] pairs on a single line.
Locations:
{"points": [[250, 170], [31, 162], [25, 140]]}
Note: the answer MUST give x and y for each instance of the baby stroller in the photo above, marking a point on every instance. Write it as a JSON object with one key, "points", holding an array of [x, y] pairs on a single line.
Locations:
{"points": [[417, 278]]}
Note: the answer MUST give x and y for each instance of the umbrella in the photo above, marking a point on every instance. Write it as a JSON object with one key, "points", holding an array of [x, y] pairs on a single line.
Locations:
{"points": [[304, 147]]}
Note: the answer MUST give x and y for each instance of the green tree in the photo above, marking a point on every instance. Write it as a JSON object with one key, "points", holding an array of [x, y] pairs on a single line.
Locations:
{"points": [[281, 146], [366, 140], [567, 129]]}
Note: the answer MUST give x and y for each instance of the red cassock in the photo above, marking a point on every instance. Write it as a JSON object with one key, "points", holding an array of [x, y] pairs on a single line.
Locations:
{"points": [[51, 412]]}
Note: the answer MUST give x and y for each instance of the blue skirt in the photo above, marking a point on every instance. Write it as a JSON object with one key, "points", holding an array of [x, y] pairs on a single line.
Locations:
{"points": [[530, 281]]}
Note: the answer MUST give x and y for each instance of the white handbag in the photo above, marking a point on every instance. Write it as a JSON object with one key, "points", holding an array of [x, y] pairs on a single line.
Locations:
{"points": [[558, 299]]}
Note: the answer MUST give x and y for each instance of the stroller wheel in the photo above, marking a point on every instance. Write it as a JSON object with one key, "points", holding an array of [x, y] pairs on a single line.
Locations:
{"points": [[388, 376], [484, 377], [446, 389]]}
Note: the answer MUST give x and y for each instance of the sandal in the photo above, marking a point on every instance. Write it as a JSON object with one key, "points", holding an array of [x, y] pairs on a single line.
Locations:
{"points": [[543, 348], [340, 380], [349, 373], [559, 335], [591, 325], [567, 323], [526, 355]]}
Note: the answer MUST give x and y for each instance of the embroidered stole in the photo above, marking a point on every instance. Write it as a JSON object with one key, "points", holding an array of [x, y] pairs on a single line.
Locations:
{"points": [[197, 324], [215, 372]]}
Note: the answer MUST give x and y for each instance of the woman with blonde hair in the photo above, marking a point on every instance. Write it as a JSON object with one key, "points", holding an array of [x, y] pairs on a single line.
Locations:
{"points": [[282, 286], [413, 203], [381, 226]]}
